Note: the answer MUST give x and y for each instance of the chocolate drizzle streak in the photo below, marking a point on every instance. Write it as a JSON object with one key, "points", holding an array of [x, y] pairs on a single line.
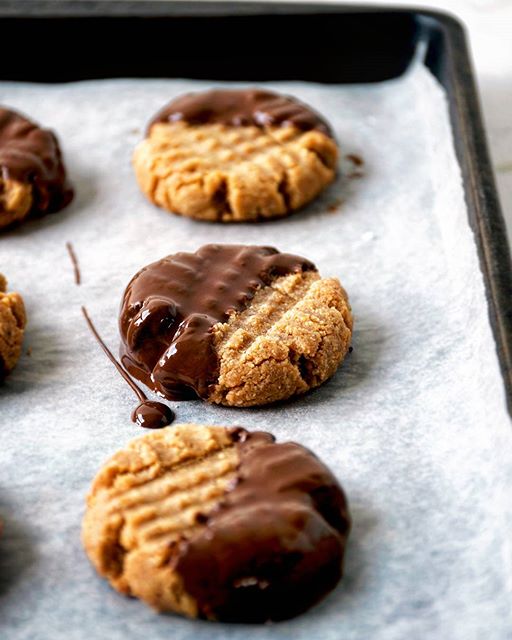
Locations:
{"points": [[148, 414], [249, 107], [74, 262], [170, 306], [29, 154], [275, 545]]}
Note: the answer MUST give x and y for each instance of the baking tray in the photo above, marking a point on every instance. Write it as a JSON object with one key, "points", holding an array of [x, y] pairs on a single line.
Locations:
{"points": [[76, 41], [220, 40]]}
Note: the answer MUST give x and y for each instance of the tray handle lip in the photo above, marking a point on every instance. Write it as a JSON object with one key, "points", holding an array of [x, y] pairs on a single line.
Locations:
{"points": [[484, 208], [156, 8]]}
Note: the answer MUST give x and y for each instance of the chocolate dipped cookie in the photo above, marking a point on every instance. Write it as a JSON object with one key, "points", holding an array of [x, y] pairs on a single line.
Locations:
{"points": [[33, 178], [233, 324], [235, 155], [218, 523]]}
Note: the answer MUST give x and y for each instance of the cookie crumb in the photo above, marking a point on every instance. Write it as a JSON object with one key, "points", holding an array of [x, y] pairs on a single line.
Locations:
{"points": [[355, 172], [355, 159], [335, 205]]}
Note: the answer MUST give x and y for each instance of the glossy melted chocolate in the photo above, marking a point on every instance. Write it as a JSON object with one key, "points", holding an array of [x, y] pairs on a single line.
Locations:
{"points": [[148, 413], [152, 415], [32, 155], [248, 107], [275, 545], [74, 262], [170, 306]]}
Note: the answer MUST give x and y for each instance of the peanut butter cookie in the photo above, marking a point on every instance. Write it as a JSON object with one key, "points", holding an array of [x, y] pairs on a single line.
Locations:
{"points": [[235, 156], [217, 523], [236, 325], [33, 178], [12, 324]]}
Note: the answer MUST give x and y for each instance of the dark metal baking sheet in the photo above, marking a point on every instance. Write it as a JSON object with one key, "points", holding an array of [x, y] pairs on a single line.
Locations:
{"points": [[52, 41]]}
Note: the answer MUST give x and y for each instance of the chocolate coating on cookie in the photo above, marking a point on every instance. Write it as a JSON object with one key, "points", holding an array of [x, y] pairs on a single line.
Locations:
{"points": [[275, 544], [31, 155], [218, 523], [170, 306], [247, 107]]}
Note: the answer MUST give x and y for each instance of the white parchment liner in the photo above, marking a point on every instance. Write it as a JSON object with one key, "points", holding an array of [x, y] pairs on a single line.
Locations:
{"points": [[414, 424]]}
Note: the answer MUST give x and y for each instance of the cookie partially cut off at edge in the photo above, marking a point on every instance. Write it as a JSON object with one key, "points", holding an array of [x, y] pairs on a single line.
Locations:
{"points": [[235, 156], [12, 325], [217, 523], [237, 325], [32, 177]]}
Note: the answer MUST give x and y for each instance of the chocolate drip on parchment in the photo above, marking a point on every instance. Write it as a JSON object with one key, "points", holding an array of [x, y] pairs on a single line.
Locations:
{"points": [[74, 262], [148, 413]]}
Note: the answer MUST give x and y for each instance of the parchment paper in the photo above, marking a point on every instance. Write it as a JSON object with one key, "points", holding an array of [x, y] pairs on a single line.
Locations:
{"points": [[413, 424]]}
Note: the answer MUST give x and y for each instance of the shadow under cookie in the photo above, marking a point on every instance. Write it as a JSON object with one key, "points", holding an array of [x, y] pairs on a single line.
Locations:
{"points": [[41, 359], [17, 546]]}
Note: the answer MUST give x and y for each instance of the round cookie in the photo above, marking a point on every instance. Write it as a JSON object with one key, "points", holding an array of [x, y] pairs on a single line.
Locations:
{"points": [[234, 156], [235, 325], [12, 325], [217, 523], [33, 178]]}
